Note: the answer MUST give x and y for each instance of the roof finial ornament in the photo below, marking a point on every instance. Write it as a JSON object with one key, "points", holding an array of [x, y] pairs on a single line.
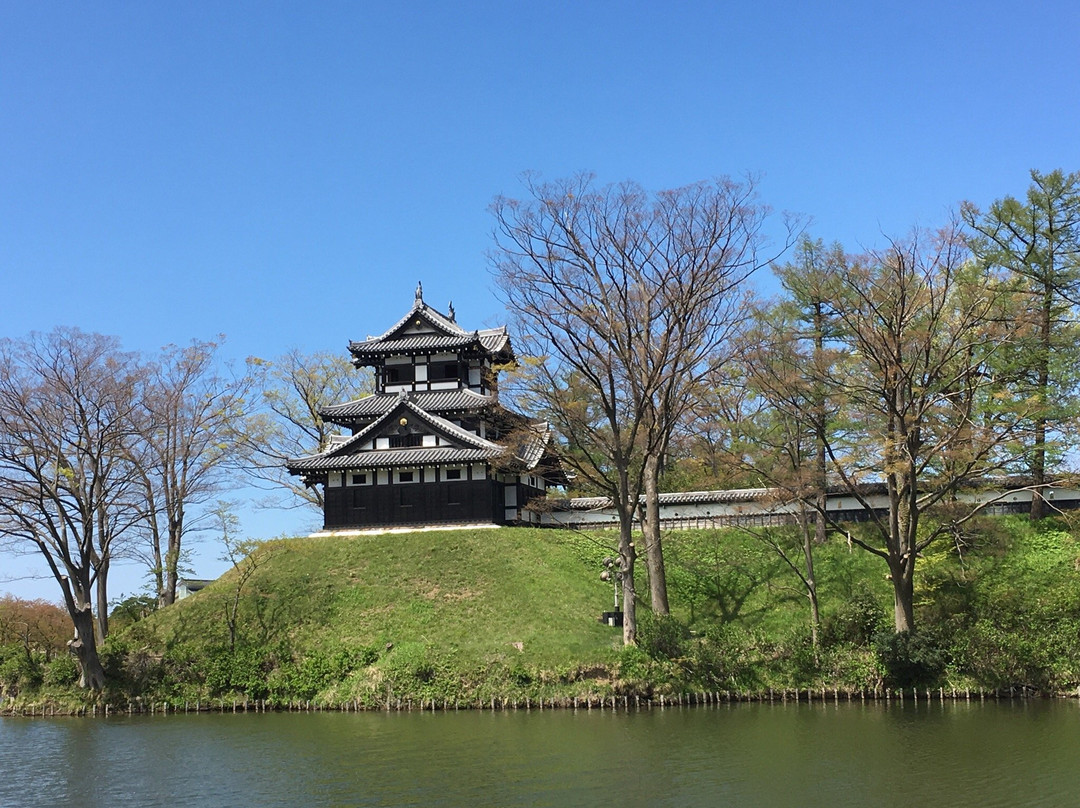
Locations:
{"points": [[451, 316], [419, 290]]}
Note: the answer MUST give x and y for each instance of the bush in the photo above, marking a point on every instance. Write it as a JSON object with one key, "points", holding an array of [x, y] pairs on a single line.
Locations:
{"points": [[415, 668], [320, 669], [857, 620], [60, 671], [242, 670], [661, 636], [910, 658], [1041, 655], [636, 670], [727, 657], [17, 671]]}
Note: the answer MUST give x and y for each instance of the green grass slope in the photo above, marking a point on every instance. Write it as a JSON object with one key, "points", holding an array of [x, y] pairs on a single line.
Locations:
{"points": [[470, 615], [439, 614]]}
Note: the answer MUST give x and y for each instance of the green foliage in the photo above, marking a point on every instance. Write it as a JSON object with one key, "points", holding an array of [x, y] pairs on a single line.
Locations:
{"points": [[237, 670], [638, 671], [132, 667], [856, 620], [416, 669], [131, 610], [1024, 617], [662, 636], [910, 659], [306, 678], [60, 671], [18, 670], [471, 615], [727, 657]]}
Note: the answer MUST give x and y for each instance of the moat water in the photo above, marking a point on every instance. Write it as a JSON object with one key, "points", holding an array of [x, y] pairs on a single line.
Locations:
{"points": [[1009, 753]]}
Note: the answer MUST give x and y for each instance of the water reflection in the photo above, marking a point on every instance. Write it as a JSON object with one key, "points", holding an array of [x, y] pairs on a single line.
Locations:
{"points": [[824, 754]]}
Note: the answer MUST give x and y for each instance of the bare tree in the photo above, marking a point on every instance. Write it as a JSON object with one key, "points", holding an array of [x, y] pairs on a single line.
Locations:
{"points": [[191, 412], [66, 405], [625, 300], [704, 243], [245, 556], [922, 325], [296, 387]]}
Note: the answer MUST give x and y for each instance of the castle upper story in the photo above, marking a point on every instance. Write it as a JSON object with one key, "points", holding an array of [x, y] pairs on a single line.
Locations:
{"points": [[427, 351]]}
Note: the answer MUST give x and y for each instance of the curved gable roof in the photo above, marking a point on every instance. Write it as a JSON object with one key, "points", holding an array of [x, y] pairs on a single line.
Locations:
{"points": [[435, 401], [464, 445], [424, 328]]}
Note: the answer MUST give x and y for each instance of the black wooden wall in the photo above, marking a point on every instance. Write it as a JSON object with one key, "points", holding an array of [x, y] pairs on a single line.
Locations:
{"points": [[454, 502]]}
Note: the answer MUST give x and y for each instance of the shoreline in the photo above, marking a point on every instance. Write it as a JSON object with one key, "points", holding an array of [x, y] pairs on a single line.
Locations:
{"points": [[611, 703]]}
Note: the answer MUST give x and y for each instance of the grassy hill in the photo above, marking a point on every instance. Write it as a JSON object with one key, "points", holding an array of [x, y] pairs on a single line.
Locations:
{"points": [[439, 614], [513, 613]]}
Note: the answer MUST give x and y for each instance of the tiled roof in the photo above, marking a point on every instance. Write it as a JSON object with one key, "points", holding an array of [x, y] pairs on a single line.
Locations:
{"points": [[679, 498], [453, 430], [531, 451], [447, 335], [490, 342], [434, 421], [346, 454], [433, 316], [385, 458], [435, 402], [493, 341]]}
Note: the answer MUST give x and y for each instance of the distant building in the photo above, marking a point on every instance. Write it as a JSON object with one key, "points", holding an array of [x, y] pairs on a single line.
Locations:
{"points": [[432, 445], [189, 586], [759, 507]]}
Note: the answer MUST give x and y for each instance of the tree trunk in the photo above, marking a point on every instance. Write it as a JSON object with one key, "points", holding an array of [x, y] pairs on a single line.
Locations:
{"points": [[820, 435], [627, 556], [1038, 458], [811, 582], [102, 591], [902, 571], [168, 594], [903, 602], [84, 648], [654, 551], [1038, 472], [820, 526], [172, 555], [158, 571]]}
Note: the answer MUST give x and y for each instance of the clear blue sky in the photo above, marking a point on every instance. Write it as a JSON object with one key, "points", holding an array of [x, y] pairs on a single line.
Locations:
{"points": [[284, 173]]}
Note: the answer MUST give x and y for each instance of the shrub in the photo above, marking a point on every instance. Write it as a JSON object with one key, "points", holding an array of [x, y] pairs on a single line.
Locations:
{"points": [[18, 672], [636, 670], [857, 620], [727, 657], [661, 636], [60, 671], [242, 670], [320, 669], [910, 658], [413, 668]]}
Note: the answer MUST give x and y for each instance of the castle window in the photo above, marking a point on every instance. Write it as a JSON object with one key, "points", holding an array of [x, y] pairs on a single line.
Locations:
{"points": [[444, 371], [404, 441], [406, 476], [398, 374], [453, 474]]}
